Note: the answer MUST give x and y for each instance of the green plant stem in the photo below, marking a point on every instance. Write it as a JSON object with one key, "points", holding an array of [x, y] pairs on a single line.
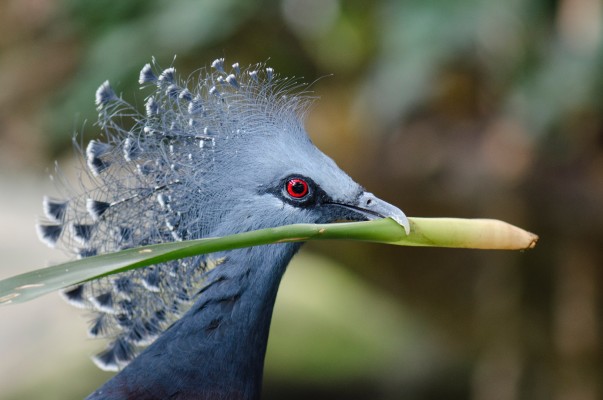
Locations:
{"points": [[440, 232]]}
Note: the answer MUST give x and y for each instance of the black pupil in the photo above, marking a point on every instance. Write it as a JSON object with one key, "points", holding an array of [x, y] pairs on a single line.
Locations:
{"points": [[298, 187]]}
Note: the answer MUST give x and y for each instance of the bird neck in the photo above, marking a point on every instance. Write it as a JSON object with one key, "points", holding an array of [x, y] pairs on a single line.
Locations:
{"points": [[216, 350]]}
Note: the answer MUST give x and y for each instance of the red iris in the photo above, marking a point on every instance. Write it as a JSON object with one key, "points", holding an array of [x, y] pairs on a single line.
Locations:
{"points": [[297, 188]]}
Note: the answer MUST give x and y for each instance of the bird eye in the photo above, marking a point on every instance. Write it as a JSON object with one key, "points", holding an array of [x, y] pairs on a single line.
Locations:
{"points": [[297, 188]]}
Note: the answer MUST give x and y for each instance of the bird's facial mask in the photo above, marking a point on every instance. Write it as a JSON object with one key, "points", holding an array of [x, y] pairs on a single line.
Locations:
{"points": [[306, 195], [322, 193]]}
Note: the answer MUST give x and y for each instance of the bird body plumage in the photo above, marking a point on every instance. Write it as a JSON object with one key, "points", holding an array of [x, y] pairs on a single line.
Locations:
{"points": [[216, 350], [227, 155]]}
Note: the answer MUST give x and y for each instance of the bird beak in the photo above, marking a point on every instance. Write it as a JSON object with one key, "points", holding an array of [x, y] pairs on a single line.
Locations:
{"points": [[369, 207]]}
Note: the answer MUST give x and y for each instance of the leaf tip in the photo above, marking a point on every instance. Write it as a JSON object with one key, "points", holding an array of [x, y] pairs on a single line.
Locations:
{"points": [[533, 241]]}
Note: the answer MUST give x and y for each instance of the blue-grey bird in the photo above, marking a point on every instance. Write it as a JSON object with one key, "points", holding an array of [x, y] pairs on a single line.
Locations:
{"points": [[221, 153]]}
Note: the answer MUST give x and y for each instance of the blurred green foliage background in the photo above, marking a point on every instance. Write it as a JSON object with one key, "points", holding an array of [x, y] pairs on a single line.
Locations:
{"points": [[467, 108]]}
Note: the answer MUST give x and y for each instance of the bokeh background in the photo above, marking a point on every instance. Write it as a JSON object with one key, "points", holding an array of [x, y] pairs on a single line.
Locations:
{"points": [[467, 108]]}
